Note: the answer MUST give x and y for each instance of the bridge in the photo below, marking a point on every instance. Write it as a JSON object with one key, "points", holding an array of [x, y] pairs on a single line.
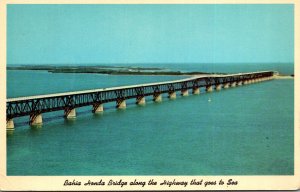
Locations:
{"points": [[35, 106]]}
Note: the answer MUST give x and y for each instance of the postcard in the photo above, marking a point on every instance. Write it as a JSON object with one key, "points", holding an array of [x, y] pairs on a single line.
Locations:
{"points": [[149, 95]]}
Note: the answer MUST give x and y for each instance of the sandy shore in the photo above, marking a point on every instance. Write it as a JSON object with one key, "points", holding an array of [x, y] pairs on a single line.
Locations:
{"points": [[283, 77]]}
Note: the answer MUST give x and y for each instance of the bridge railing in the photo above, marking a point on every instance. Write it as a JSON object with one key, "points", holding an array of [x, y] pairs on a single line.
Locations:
{"points": [[33, 106]]}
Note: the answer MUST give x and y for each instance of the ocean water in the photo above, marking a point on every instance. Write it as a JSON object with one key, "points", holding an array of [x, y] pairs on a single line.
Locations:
{"points": [[43, 82], [247, 130]]}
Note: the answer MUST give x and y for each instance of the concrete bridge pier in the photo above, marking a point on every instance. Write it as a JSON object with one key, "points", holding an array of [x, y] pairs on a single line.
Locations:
{"points": [[233, 84], [226, 85], [218, 87], [10, 126], [121, 104], [240, 83], [97, 108], [185, 92], [196, 90], [172, 95], [209, 88], [36, 119], [140, 101], [157, 98], [70, 113]]}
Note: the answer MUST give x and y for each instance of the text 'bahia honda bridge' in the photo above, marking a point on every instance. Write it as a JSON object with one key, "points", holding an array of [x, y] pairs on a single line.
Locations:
{"points": [[35, 106]]}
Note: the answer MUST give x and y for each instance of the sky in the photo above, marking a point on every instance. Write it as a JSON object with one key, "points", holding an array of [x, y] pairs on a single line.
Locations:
{"points": [[79, 34]]}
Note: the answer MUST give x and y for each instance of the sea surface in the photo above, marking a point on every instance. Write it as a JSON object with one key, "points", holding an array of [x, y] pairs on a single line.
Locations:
{"points": [[248, 130]]}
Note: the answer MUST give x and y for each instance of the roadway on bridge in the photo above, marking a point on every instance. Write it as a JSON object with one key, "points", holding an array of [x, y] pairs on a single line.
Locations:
{"points": [[125, 87]]}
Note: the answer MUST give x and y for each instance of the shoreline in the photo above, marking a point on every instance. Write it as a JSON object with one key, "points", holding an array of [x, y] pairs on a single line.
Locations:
{"points": [[112, 71], [124, 71], [283, 77], [95, 73]]}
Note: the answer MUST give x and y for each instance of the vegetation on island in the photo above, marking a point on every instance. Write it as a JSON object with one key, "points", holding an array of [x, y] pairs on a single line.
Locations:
{"points": [[113, 70], [110, 70]]}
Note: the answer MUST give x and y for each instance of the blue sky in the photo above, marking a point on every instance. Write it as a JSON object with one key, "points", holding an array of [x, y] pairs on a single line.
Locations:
{"points": [[78, 34]]}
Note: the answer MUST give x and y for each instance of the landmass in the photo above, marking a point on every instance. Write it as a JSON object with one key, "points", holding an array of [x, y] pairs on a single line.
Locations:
{"points": [[117, 70], [110, 70], [281, 76]]}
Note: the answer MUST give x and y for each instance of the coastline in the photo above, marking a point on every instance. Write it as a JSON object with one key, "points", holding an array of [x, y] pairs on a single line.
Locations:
{"points": [[284, 77], [122, 70], [109, 71]]}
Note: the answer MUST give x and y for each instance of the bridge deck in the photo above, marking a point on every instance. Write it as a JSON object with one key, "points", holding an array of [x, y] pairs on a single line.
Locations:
{"points": [[126, 87], [34, 106]]}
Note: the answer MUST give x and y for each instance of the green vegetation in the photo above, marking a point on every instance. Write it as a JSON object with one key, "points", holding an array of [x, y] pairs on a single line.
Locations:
{"points": [[110, 70]]}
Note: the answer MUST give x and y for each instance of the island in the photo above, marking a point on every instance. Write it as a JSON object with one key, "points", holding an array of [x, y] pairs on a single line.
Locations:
{"points": [[117, 70], [103, 69]]}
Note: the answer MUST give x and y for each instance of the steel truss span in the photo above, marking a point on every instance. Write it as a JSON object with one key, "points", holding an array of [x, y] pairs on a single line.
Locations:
{"points": [[33, 106]]}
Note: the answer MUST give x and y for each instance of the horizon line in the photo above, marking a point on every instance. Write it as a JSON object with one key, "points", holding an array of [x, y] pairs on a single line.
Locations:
{"points": [[102, 63]]}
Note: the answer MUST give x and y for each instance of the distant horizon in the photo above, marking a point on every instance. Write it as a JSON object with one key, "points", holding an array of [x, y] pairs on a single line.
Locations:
{"points": [[149, 63], [282, 68]]}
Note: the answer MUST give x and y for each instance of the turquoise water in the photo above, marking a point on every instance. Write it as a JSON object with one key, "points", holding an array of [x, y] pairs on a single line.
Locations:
{"points": [[43, 82], [243, 131]]}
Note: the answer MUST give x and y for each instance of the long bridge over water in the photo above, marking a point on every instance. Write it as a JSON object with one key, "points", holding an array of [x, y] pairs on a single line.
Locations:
{"points": [[35, 106]]}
